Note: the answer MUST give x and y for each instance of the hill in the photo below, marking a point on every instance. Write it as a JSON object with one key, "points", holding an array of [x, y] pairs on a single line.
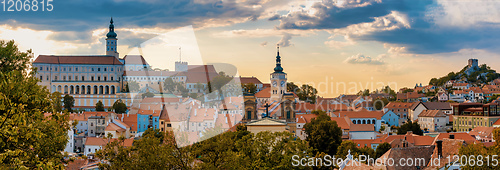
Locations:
{"points": [[481, 74]]}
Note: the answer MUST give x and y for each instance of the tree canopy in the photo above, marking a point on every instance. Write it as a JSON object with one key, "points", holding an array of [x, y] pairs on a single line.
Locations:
{"points": [[119, 107], [410, 126], [99, 106], [30, 137], [69, 102], [323, 134]]}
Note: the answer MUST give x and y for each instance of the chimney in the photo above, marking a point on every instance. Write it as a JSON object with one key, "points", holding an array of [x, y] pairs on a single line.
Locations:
{"points": [[452, 136], [440, 148]]}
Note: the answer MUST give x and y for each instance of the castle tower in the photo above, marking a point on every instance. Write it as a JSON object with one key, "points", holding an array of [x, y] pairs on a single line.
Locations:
{"points": [[278, 79], [111, 41]]}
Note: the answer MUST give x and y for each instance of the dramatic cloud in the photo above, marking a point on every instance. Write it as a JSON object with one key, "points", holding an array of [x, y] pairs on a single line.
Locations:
{"points": [[83, 15], [422, 27], [285, 40], [362, 59]]}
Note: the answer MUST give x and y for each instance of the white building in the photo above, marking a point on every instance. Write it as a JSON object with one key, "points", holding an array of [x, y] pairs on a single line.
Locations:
{"points": [[433, 120]]}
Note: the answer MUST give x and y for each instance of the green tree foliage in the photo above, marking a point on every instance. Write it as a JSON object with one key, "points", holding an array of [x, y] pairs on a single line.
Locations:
{"points": [[133, 86], [169, 85], [380, 103], [99, 106], [69, 102], [119, 107], [28, 138], [382, 149], [12, 59], [389, 91], [410, 126], [57, 104], [291, 87], [323, 134], [307, 93], [250, 88], [355, 151], [155, 150]]}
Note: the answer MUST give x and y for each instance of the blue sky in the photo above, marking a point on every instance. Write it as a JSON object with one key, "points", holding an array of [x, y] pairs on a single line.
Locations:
{"points": [[330, 41]]}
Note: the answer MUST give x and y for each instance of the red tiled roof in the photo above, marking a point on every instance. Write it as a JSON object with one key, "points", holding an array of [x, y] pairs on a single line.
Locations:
{"points": [[264, 93], [101, 59], [114, 127], [343, 122], [130, 120], [464, 136], [432, 113], [398, 105], [94, 141], [247, 80], [362, 127], [362, 114], [135, 59]]}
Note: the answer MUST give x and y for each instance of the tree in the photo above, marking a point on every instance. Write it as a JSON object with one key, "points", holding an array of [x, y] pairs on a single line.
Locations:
{"points": [[147, 94], [382, 149], [344, 149], [410, 126], [99, 106], [119, 106], [56, 96], [380, 103], [307, 93], [250, 88], [169, 85], [69, 102], [323, 134], [28, 138], [133, 86], [291, 87], [155, 150]]}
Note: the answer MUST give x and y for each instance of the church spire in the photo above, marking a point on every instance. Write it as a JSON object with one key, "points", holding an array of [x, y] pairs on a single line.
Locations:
{"points": [[111, 41], [278, 68]]}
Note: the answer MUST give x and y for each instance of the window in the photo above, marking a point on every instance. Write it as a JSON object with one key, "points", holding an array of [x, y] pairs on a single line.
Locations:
{"points": [[98, 78], [41, 77], [91, 124], [111, 78], [64, 77], [98, 69], [104, 69], [41, 68], [56, 68], [83, 78], [111, 68], [169, 125], [55, 78], [76, 69], [92, 69]]}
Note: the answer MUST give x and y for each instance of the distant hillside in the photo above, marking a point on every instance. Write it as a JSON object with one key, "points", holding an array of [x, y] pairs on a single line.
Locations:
{"points": [[481, 74]]}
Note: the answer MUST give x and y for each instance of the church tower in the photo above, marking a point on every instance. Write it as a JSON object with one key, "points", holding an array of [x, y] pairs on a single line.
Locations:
{"points": [[278, 79], [111, 41]]}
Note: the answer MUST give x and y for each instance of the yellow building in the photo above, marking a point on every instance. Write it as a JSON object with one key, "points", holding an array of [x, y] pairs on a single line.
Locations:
{"points": [[267, 124]]}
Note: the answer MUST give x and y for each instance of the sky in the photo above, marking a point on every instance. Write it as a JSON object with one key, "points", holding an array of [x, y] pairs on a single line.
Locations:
{"points": [[338, 46]]}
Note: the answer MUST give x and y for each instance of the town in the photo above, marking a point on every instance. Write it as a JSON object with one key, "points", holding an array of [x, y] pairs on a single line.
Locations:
{"points": [[111, 99], [451, 113]]}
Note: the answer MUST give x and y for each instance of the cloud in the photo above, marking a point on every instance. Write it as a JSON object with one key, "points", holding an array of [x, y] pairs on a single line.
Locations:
{"points": [[285, 40], [82, 15], [362, 59], [330, 15]]}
